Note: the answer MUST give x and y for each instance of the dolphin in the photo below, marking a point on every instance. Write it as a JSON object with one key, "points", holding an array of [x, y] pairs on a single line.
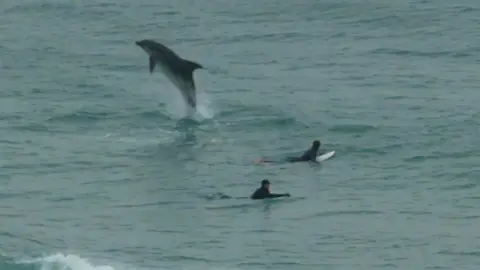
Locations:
{"points": [[178, 70]]}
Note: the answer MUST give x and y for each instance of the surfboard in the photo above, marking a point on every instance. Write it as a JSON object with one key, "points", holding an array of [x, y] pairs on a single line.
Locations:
{"points": [[325, 156]]}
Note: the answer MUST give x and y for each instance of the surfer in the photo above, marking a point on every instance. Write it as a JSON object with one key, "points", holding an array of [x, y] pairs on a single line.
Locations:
{"points": [[309, 155], [263, 192]]}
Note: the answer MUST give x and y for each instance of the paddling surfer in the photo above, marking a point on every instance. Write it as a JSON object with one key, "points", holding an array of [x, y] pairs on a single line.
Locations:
{"points": [[263, 192], [309, 155]]}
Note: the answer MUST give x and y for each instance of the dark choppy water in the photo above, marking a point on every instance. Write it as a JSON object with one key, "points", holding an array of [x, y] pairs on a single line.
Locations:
{"points": [[98, 173]]}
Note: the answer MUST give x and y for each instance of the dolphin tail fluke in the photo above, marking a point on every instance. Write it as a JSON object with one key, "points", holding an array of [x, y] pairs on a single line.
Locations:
{"points": [[152, 64]]}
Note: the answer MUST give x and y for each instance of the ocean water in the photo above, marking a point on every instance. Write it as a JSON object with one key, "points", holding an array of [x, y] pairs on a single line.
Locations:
{"points": [[99, 170]]}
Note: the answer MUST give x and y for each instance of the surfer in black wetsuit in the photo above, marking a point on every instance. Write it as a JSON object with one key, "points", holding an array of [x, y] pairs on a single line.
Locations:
{"points": [[263, 192], [309, 155]]}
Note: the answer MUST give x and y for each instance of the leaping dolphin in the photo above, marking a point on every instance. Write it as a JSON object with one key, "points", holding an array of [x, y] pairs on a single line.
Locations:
{"points": [[177, 69]]}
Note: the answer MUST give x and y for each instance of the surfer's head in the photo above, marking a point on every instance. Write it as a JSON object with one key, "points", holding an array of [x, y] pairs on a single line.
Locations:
{"points": [[266, 184], [316, 144]]}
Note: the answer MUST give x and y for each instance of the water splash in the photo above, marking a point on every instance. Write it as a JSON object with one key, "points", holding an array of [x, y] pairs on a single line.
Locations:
{"points": [[60, 261], [178, 109]]}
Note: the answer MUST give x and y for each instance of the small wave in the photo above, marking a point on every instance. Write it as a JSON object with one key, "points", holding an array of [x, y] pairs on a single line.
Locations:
{"points": [[415, 213], [441, 155], [153, 115], [186, 258], [142, 205], [460, 186], [60, 261], [254, 204], [57, 261], [354, 213], [81, 116], [36, 127], [402, 52], [352, 128], [218, 196], [461, 253], [281, 36], [38, 7]]}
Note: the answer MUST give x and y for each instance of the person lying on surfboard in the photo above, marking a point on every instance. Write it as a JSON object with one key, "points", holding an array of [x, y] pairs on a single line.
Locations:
{"points": [[309, 155], [263, 192]]}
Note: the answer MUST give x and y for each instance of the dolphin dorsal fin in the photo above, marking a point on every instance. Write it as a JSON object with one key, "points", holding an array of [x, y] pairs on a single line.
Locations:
{"points": [[152, 64], [191, 66]]}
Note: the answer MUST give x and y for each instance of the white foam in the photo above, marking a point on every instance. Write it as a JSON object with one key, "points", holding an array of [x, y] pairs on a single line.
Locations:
{"points": [[177, 108], [168, 94], [204, 107], [60, 261]]}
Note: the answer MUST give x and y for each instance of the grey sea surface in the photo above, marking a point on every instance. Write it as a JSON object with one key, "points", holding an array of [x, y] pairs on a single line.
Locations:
{"points": [[99, 170]]}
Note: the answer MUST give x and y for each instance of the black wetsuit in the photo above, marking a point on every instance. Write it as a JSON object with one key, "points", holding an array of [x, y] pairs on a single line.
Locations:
{"points": [[263, 193], [309, 155]]}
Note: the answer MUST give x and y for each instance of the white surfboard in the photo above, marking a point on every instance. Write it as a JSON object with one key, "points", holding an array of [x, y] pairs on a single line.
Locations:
{"points": [[325, 156]]}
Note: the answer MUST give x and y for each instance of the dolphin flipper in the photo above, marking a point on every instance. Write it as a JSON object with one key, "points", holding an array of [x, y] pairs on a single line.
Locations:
{"points": [[152, 64]]}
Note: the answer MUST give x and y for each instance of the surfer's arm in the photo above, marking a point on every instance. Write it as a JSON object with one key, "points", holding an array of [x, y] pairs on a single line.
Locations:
{"points": [[262, 194], [274, 195]]}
